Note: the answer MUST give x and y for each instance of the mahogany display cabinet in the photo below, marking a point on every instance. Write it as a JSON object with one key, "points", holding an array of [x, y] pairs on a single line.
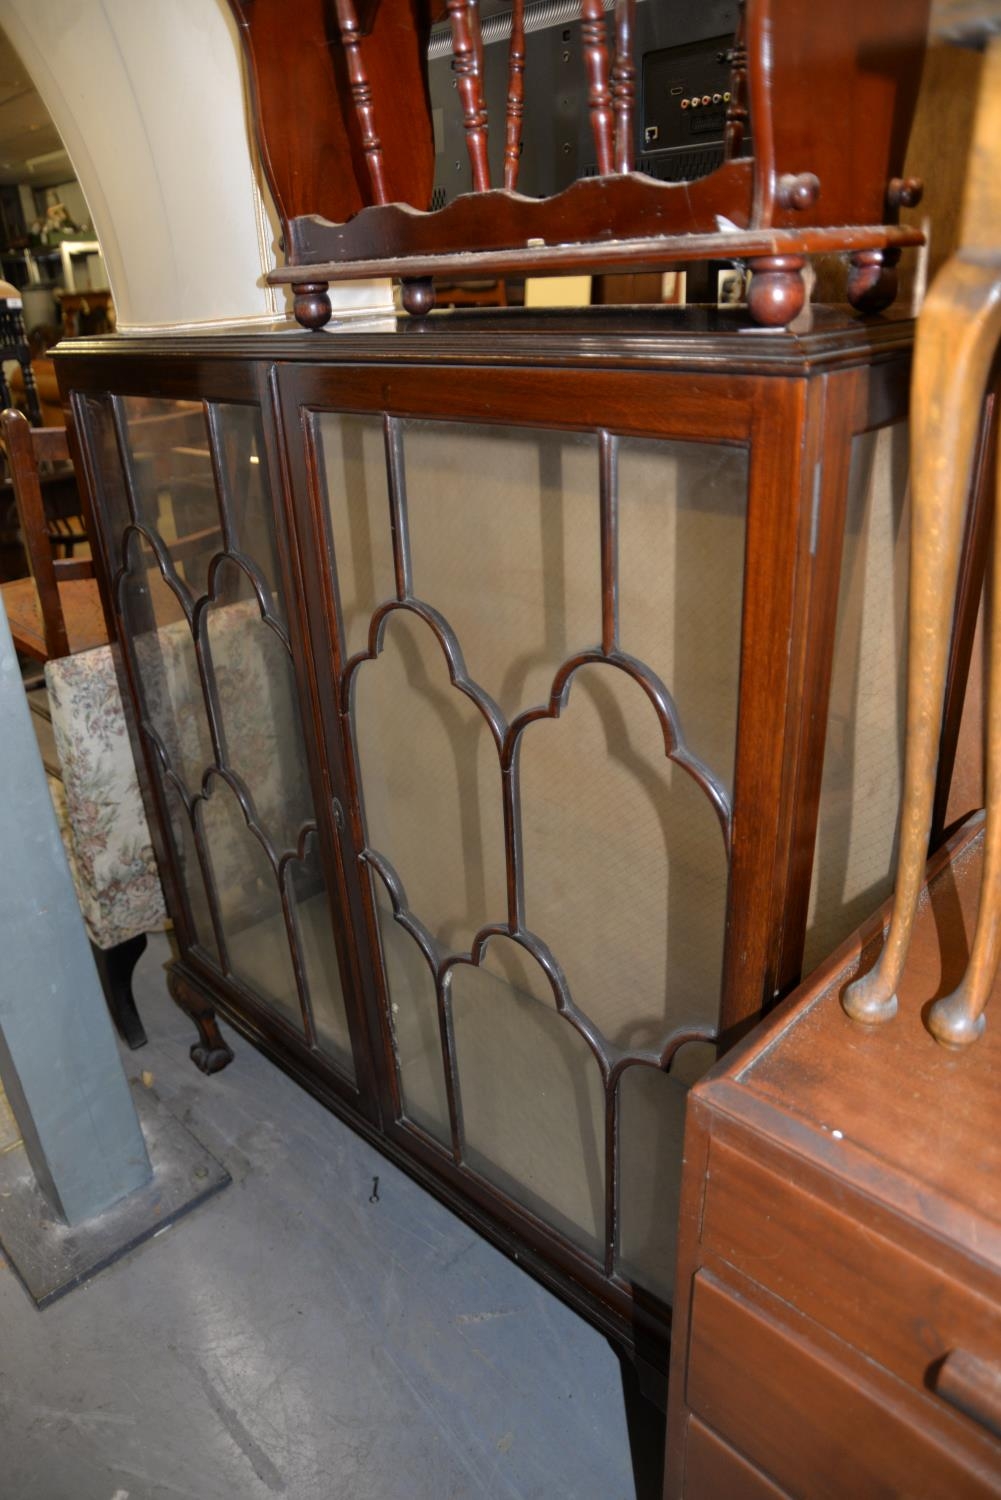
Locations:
{"points": [[518, 705]]}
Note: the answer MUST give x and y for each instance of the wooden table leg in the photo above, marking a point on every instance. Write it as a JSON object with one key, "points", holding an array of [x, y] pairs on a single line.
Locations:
{"points": [[958, 1019], [957, 339], [958, 333]]}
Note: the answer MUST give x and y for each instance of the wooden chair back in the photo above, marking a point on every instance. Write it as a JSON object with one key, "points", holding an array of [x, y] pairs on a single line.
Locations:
{"points": [[313, 102], [26, 448], [814, 112]]}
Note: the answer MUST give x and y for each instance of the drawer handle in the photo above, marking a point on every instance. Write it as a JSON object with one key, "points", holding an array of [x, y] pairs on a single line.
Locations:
{"points": [[972, 1385]]}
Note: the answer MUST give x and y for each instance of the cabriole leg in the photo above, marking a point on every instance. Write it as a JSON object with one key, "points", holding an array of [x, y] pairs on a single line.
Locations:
{"points": [[958, 1019], [115, 967], [210, 1054], [957, 337]]}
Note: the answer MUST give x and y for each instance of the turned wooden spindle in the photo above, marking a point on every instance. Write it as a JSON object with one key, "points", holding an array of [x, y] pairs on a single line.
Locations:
{"points": [[959, 331], [599, 98], [476, 31], [361, 94], [624, 84], [467, 43], [736, 109], [515, 96]]}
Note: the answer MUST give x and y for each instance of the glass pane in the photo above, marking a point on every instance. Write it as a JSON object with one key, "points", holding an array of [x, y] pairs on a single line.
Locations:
{"points": [[414, 1010], [352, 457], [201, 488], [625, 870], [625, 867], [99, 429], [247, 495], [262, 731], [864, 749], [190, 872], [163, 652], [308, 896], [175, 491], [651, 1136], [431, 784], [532, 1104], [682, 523], [504, 531], [249, 904]]}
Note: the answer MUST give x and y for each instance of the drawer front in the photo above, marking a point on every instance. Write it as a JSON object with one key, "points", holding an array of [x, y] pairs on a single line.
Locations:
{"points": [[713, 1469], [891, 1305], [812, 1425]]}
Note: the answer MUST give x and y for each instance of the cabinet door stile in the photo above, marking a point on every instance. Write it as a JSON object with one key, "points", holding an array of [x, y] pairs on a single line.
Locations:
{"points": [[777, 545], [322, 651], [328, 794]]}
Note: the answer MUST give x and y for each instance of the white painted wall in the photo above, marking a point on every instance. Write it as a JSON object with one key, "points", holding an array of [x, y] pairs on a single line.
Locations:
{"points": [[148, 96]]}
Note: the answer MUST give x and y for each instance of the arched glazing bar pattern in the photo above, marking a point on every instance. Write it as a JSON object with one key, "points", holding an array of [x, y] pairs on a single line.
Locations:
{"points": [[507, 733], [210, 657]]}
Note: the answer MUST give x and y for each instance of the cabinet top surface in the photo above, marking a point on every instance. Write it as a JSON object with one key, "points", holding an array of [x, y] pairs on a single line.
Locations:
{"points": [[887, 1107], [715, 340]]}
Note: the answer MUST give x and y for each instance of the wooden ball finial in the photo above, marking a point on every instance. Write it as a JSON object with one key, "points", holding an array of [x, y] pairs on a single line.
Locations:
{"points": [[311, 304], [777, 291], [418, 296], [872, 279], [799, 190]]}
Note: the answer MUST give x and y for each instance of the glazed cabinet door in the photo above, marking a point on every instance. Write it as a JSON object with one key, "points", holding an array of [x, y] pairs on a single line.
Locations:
{"points": [[535, 685], [199, 574]]}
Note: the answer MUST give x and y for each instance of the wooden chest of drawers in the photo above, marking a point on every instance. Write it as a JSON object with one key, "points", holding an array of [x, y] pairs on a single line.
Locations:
{"points": [[838, 1314]]}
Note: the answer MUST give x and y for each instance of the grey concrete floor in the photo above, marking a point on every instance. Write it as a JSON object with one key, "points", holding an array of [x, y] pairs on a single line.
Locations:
{"points": [[291, 1338]]}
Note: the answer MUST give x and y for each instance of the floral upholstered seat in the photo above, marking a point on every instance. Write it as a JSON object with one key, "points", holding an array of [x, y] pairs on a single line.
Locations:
{"points": [[98, 804]]}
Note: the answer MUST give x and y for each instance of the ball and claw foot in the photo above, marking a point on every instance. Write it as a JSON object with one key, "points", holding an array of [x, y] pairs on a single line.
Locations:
{"points": [[209, 1059], [866, 1000], [210, 1054]]}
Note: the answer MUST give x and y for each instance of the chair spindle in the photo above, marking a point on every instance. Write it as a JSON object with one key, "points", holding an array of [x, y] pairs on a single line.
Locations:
{"points": [[624, 84], [599, 98], [477, 33], [515, 96], [467, 49], [361, 94], [736, 110]]}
